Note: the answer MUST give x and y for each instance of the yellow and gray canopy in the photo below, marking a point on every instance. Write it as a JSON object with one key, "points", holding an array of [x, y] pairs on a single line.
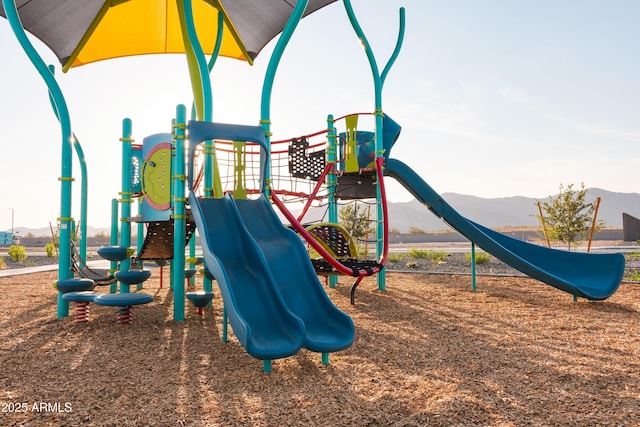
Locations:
{"points": [[80, 32]]}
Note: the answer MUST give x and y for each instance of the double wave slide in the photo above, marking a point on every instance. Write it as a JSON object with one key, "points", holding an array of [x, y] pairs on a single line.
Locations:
{"points": [[275, 306], [586, 275]]}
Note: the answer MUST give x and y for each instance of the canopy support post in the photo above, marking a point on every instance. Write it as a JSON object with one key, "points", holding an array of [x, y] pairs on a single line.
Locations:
{"points": [[66, 177], [267, 87], [378, 82]]}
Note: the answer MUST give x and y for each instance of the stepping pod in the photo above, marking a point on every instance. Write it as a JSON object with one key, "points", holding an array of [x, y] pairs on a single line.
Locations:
{"points": [[200, 299], [82, 300], [125, 302]]}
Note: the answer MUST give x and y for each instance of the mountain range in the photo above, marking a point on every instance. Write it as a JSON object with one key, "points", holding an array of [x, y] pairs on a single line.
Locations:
{"points": [[501, 212], [517, 211]]}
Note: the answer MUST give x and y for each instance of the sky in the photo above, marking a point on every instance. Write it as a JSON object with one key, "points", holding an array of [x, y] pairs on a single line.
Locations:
{"points": [[495, 98]]}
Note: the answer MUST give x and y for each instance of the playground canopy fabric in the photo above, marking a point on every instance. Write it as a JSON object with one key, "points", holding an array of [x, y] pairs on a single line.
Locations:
{"points": [[80, 32]]}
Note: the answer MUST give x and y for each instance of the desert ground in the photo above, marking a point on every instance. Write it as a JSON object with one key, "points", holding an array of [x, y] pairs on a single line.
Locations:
{"points": [[428, 351]]}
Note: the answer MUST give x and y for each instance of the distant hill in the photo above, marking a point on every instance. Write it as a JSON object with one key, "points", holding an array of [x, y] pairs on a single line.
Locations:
{"points": [[500, 212], [506, 211], [46, 231]]}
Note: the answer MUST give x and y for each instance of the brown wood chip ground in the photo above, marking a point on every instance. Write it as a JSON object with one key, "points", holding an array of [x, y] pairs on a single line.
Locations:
{"points": [[428, 351]]}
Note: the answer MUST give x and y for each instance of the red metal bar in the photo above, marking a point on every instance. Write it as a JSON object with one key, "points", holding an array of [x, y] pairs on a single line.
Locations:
{"points": [[314, 193]]}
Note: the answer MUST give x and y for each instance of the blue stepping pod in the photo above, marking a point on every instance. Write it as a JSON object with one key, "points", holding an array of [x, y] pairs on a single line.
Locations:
{"points": [[122, 300], [133, 277], [113, 253], [200, 298], [75, 285], [81, 296]]}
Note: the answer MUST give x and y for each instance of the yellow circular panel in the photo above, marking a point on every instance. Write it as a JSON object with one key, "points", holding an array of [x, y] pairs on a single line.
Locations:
{"points": [[156, 175]]}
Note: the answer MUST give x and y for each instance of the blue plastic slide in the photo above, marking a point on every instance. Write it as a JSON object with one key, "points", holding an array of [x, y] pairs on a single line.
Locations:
{"points": [[591, 276], [260, 319], [327, 329]]}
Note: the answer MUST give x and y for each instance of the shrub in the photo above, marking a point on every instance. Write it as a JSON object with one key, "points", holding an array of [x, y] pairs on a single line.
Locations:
{"points": [[632, 276], [411, 264], [437, 256], [416, 230], [51, 250], [418, 253], [3, 263], [396, 257], [434, 256], [17, 253], [481, 257]]}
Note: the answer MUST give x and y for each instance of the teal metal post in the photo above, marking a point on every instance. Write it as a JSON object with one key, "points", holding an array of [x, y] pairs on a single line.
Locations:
{"points": [[140, 236], [140, 231], [212, 185], [473, 266], [332, 151], [378, 82], [267, 86], [66, 176], [325, 358], [113, 241], [192, 255], [179, 214], [83, 200], [225, 324], [125, 197], [84, 180]]}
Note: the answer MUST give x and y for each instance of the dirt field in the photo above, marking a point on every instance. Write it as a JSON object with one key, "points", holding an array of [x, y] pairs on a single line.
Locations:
{"points": [[428, 351]]}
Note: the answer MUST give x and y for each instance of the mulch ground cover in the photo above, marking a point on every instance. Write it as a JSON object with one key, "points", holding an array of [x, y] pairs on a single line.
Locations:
{"points": [[428, 351]]}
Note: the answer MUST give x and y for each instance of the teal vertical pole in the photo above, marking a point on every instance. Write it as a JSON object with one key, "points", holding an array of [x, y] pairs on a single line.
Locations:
{"points": [[140, 231], [378, 82], [83, 200], [267, 86], [179, 214], [225, 324], [473, 266], [140, 235], [212, 183], [172, 270], [332, 151], [113, 241], [325, 358], [125, 197], [192, 255], [83, 183], [66, 176]]}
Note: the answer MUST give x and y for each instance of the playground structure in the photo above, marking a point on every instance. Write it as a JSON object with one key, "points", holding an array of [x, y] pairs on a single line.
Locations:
{"points": [[227, 190]]}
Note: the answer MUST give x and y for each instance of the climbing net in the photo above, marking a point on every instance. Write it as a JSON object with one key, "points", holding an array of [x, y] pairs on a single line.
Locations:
{"points": [[307, 182], [238, 165], [309, 177]]}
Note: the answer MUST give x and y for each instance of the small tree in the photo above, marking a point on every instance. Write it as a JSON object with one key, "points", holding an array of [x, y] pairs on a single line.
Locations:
{"points": [[355, 221], [568, 216]]}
